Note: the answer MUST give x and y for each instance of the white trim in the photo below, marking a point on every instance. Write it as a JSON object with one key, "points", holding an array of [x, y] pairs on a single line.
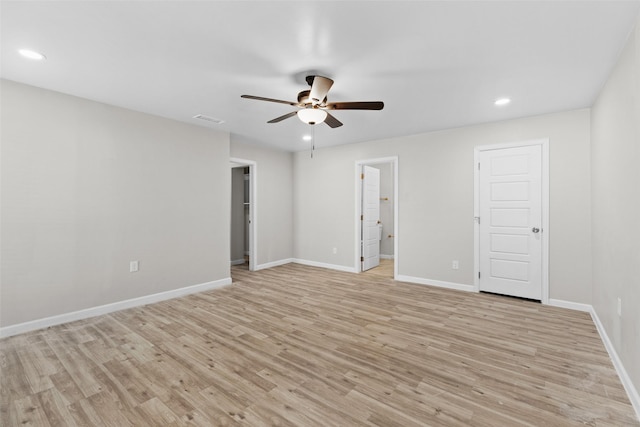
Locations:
{"points": [[570, 305], [476, 222], [358, 205], [237, 261], [632, 392], [437, 283], [382, 256], [546, 231], [274, 264], [86, 313], [324, 265], [546, 191], [253, 207]]}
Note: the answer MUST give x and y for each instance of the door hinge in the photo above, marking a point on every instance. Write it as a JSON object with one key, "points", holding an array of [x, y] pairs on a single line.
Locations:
{"points": [[361, 259], [361, 176], [478, 165], [478, 274], [361, 217]]}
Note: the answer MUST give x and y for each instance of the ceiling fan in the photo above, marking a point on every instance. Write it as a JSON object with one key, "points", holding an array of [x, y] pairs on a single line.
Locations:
{"points": [[314, 106]]}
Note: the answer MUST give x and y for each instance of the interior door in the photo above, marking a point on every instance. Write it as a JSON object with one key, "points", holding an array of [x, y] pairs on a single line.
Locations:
{"points": [[370, 217], [510, 202]]}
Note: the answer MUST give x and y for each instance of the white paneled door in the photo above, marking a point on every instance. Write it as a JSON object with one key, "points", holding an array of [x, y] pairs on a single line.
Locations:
{"points": [[370, 217], [510, 208]]}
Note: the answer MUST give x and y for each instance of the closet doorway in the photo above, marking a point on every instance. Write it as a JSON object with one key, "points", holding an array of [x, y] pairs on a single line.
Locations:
{"points": [[243, 225], [376, 243]]}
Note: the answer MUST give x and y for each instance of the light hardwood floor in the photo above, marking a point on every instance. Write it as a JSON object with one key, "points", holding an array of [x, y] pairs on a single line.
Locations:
{"points": [[385, 269], [303, 346]]}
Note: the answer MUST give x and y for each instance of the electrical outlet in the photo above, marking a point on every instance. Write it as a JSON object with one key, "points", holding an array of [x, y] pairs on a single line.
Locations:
{"points": [[133, 266], [455, 264], [335, 251], [619, 306]]}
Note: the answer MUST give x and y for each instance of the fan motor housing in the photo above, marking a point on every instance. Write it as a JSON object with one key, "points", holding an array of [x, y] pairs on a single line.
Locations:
{"points": [[303, 97]]}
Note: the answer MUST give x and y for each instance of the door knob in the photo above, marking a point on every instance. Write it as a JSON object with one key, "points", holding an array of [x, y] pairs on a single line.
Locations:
{"points": [[535, 229]]}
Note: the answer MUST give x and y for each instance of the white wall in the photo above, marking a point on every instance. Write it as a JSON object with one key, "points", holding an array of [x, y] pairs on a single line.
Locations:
{"points": [[436, 200], [274, 205], [88, 187], [615, 154]]}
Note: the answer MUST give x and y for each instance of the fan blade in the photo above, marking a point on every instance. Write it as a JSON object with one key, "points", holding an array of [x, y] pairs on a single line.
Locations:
{"points": [[319, 89], [281, 118], [332, 121], [372, 105], [260, 98]]}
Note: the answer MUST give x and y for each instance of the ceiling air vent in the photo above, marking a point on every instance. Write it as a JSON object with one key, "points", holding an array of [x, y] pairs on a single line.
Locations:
{"points": [[208, 119]]}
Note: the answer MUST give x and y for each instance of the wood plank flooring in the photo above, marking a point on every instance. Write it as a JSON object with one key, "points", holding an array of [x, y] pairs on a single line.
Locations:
{"points": [[303, 346], [385, 269]]}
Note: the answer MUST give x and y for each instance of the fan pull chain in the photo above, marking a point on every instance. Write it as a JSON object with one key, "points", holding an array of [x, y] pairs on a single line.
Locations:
{"points": [[313, 139]]}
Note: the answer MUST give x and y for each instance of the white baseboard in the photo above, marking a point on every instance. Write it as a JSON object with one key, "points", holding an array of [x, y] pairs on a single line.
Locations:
{"points": [[86, 313], [570, 305], [238, 261], [324, 265], [273, 264], [438, 283], [632, 392], [382, 256]]}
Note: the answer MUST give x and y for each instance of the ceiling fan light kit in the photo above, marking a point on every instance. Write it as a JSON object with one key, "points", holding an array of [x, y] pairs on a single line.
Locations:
{"points": [[312, 116], [314, 106]]}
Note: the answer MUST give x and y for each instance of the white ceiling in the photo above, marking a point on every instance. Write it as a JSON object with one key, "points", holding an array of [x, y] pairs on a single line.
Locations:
{"points": [[435, 64]]}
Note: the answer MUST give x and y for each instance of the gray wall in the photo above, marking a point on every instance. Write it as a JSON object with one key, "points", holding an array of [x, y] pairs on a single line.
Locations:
{"points": [[616, 206], [436, 200], [274, 206], [88, 187]]}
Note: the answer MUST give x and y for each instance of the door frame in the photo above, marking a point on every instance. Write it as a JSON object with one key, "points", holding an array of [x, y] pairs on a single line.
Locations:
{"points": [[253, 207], [544, 144], [358, 210]]}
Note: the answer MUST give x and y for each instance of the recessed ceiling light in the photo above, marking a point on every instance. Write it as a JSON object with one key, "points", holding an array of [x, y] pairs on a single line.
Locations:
{"points": [[32, 54], [502, 101], [307, 137]]}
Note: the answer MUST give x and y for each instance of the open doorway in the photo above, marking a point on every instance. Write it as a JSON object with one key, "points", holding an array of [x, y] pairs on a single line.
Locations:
{"points": [[243, 225], [376, 244]]}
